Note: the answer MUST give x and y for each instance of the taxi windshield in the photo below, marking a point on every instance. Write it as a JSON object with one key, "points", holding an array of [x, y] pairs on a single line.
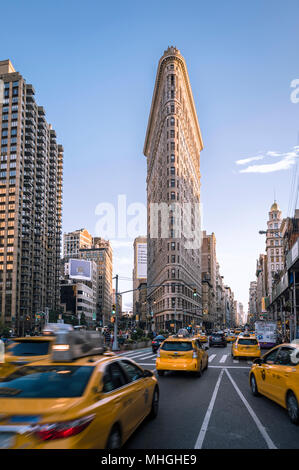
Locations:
{"points": [[248, 342], [29, 348], [46, 382], [177, 346]]}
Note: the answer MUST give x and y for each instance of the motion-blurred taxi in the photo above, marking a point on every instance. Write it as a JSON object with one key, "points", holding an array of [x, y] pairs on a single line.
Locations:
{"points": [[24, 350], [82, 398], [276, 375], [246, 346], [179, 353]]}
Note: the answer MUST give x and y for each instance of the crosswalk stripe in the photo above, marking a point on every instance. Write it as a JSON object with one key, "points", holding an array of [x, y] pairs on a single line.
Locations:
{"points": [[224, 357], [212, 357], [136, 354], [235, 361], [147, 356]]}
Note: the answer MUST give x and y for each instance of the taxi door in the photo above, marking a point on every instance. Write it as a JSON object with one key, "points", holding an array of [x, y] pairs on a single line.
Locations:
{"points": [[284, 373], [138, 390], [202, 354], [116, 401], [265, 378]]}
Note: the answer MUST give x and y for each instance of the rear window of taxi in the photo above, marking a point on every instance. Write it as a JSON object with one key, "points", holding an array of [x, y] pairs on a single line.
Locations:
{"points": [[177, 346], [247, 341], [46, 382], [29, 348]]}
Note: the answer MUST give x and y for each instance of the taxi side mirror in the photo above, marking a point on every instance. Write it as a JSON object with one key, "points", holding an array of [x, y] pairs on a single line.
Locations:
{"points": [[258, 361], [97, 390], [148, 373]]}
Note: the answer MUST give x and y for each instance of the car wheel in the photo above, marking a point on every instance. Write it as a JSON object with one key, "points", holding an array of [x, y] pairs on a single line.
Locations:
{"points": [[114, 439], [253, 386], [155, 404], [199, 372], [160, 372], [292, 407], [207, 364]]}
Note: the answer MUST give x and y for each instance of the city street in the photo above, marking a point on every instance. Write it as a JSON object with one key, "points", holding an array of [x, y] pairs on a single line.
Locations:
{"points": [[216, 411]]}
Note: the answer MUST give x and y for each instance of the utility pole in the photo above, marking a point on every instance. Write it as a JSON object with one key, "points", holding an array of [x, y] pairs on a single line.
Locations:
{"points": [[115, 342]]}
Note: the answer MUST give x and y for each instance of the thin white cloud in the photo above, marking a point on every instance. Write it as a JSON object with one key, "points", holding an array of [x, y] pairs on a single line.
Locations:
{"points": [[286, 161], [248, 160], [272, 153]]}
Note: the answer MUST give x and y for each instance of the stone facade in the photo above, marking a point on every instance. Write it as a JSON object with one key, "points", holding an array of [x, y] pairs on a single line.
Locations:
{"points": [[172, 146]]}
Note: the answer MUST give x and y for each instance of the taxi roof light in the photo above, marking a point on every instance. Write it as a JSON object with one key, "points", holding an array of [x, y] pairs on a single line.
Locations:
{"points": [[52, 329], [71, 345]]}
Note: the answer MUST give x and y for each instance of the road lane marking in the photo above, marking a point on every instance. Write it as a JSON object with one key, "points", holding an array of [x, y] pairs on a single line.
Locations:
{"points": [[230, 367], [205, 424], [212, 357], [235, 360], [259, 425], [224, 357]]}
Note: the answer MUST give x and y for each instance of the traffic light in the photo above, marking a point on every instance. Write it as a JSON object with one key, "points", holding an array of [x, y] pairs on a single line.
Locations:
{"points": [[194, 292], [113, 309], [112, 319]]}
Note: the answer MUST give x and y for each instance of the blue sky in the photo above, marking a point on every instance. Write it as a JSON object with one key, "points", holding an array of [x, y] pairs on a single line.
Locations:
{"points": [[93, 66]]}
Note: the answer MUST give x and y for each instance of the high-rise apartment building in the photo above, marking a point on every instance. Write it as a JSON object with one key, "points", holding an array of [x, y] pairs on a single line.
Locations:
{"points": [[172, 146], [30, 204]]}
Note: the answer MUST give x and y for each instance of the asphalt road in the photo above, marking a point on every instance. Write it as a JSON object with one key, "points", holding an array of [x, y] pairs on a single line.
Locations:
{"points": [[215, 411]]}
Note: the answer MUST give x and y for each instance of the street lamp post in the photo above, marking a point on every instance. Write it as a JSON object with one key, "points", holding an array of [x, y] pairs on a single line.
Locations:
{"points": [[115, 342]]}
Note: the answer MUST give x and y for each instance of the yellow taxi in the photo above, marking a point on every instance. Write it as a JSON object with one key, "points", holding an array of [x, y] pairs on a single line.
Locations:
{"points": [[202, 337], [276, 375], [24, 350], [246, 346], [230, 337], [82, 398], [182, 353]]}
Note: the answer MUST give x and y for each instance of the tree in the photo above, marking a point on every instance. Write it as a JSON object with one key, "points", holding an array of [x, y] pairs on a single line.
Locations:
{"points": [[4, 330]]}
